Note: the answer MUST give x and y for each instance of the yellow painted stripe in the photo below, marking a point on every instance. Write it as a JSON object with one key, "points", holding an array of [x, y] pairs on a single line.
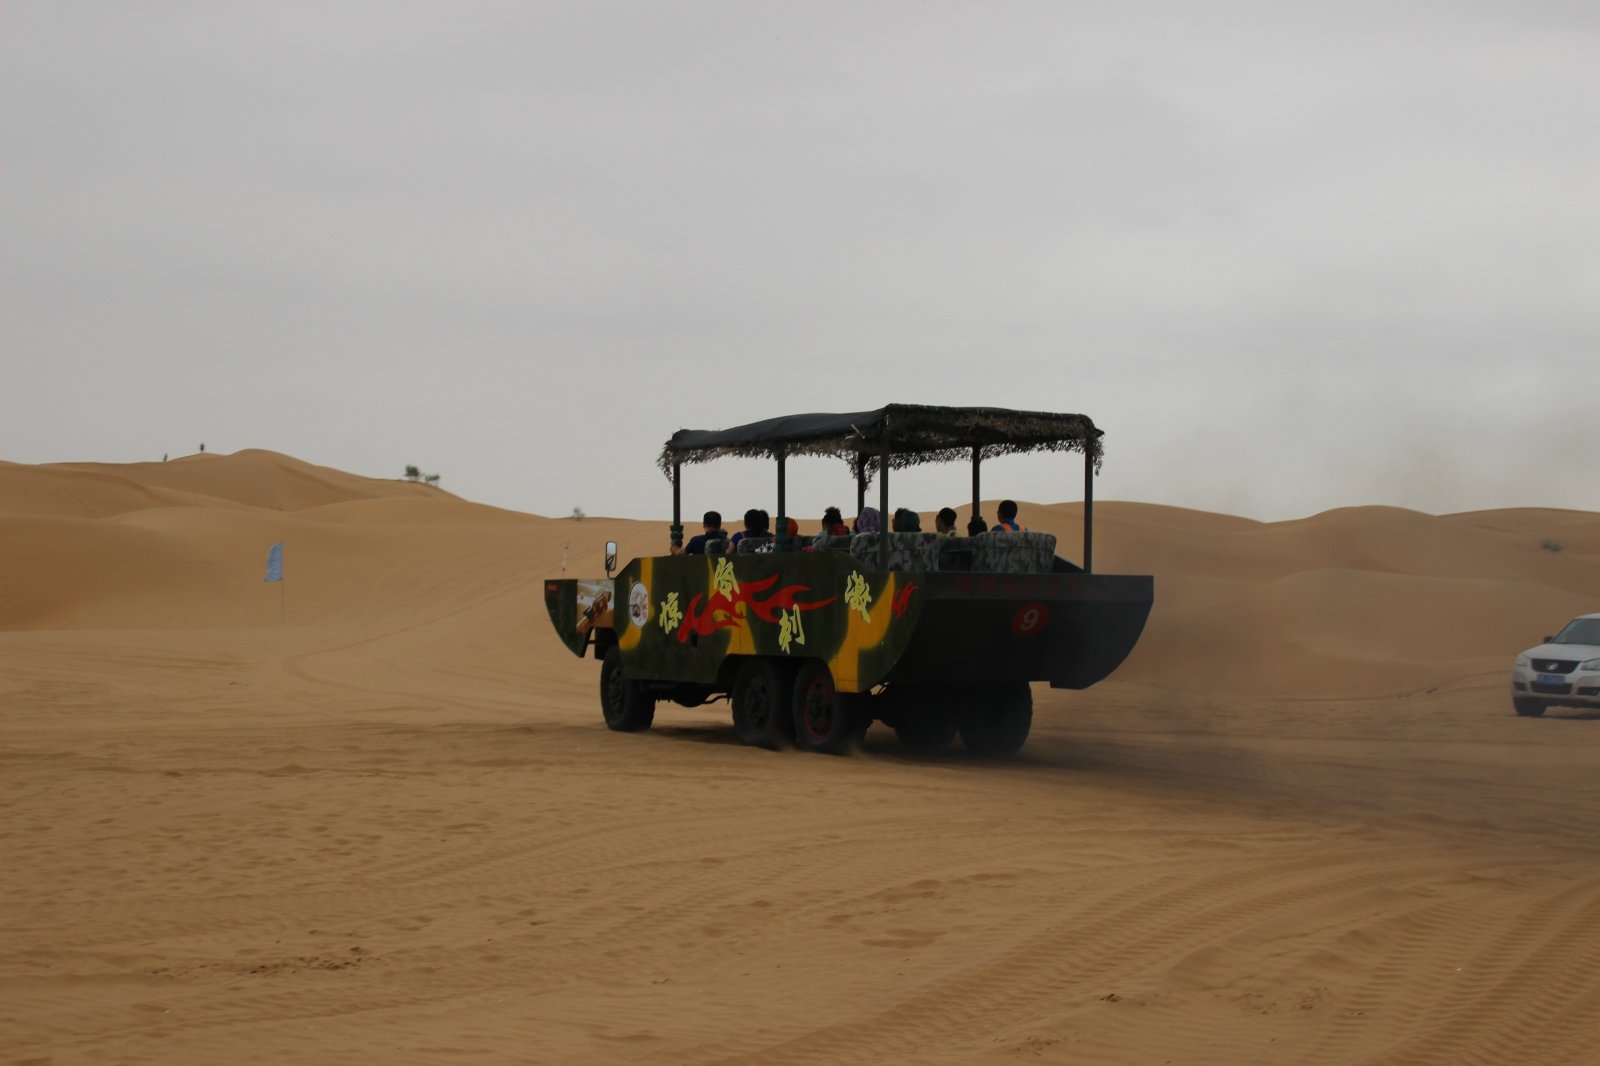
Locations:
{"points": [[861, 636]]}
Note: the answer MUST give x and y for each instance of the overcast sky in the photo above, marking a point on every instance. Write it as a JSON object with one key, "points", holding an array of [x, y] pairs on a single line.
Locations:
{"points": [[1289, 256]]}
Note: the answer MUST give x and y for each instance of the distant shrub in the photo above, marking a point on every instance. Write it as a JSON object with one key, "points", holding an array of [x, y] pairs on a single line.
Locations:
{"points": [[578, 514], [1551, 545]]}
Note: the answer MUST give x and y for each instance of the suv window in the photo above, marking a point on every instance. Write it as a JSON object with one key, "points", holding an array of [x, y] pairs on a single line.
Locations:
{"points": [[1579, 631]]}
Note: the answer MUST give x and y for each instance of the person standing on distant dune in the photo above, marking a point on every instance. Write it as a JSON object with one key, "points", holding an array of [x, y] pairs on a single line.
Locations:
{"points": [[202, 445]]}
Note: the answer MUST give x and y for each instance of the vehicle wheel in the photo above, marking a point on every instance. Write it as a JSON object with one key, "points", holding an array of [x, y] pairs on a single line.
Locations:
{"points": [[761, 713], [1527, 708], [825, 720], [627, 705], [924, 718], [997, 719]]}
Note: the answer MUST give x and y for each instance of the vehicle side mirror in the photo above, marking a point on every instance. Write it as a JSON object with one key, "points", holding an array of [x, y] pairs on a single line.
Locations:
{"points": [[611, 556]]}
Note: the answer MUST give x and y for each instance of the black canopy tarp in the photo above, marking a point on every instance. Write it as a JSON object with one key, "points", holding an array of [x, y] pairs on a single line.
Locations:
{"points": [[909, 433]]}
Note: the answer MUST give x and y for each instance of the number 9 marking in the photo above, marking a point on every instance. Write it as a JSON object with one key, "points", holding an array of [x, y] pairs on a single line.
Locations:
{"points": [[1030, 619]]}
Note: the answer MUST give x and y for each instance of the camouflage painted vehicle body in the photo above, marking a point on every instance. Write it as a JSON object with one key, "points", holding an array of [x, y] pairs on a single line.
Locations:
{"points": [[933, 635], [686, 620]]}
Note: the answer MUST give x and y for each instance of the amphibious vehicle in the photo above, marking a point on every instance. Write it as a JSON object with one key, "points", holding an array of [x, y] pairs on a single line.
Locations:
{"points": [[815, 639]]}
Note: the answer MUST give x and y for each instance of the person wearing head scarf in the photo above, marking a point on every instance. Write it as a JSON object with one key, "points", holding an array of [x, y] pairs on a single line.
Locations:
{"points": [[868, 521]]}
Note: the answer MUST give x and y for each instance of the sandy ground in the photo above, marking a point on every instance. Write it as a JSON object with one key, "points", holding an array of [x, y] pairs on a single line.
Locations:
{"points": [[373, 816]]}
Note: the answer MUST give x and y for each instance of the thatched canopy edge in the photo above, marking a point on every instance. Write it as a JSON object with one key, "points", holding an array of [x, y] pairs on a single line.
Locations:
{"points": [[910, 434]]}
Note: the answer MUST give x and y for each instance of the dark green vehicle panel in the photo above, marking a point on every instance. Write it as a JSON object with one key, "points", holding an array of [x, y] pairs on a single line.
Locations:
{"points": [[680, 618]]}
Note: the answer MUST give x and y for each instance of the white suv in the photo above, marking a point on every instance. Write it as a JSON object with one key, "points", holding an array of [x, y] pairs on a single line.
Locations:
{"points": [[1563, 671]]}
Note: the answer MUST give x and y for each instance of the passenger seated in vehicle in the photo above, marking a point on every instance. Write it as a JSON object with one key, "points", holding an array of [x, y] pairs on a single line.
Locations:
{"points": [[907, 521], [833, 524], [944, 523], [868, 521], [977, 526], [712, 524], [1008, 519], [757, 525]]}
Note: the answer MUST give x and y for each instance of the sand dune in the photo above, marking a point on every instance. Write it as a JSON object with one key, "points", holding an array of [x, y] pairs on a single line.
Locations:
{"points": [[372, 816], [255, 478]]}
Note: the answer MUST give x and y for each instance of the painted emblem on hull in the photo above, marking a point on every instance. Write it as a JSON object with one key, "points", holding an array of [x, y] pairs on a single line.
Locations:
{"points": [[671, 613], [1030, 619], [723, 583], [791, 630], [638, 605], [857, 596]]}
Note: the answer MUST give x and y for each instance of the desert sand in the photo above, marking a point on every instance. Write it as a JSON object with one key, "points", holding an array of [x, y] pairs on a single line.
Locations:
{"points": [[372, 815]]}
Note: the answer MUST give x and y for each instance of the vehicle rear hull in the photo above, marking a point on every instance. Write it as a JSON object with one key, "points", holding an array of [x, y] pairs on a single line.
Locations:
{"points": [[1071, 630]]}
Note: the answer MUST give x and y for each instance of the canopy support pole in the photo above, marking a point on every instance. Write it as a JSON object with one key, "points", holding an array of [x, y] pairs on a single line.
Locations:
{"points": [[861, 483], [783, 518], [977, 454], [883, 510], [677, 507], [1088, 506]]}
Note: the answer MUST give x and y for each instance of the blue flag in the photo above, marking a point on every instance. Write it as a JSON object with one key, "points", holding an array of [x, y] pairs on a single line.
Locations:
{"points": [[275, 562]]}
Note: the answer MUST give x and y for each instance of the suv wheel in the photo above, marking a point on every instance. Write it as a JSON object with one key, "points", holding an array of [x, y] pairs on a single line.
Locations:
{"points": [[1527, 708]]}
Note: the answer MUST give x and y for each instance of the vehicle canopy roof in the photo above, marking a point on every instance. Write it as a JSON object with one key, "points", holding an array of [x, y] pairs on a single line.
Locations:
{"points": [[907, 434]]}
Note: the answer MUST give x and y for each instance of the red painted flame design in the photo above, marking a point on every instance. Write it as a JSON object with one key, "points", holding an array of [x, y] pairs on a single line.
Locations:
{"points": [[903, 601], [720, 612]]}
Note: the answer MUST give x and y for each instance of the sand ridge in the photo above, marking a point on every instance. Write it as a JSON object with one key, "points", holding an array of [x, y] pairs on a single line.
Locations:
{"points": [[1300, 826]]}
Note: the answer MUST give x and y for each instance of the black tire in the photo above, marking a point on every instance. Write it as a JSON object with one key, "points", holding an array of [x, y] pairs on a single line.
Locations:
{"points": [[997, 718], [825, 720], [761, 714], [923, 716], [1526, 707], [627, 705]]}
